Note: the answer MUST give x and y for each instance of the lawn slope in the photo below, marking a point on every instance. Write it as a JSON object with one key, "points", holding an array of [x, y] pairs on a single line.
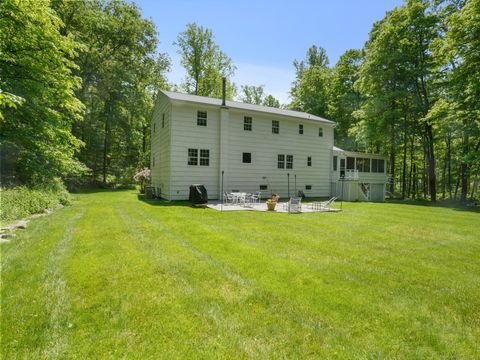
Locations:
{"points": [[113, 276]]}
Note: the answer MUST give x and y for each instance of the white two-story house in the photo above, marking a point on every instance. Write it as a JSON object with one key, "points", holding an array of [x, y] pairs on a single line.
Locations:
{"points": [[232, 146]]}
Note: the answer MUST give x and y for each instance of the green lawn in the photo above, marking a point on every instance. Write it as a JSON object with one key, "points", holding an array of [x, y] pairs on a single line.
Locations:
{"points": [[116, 277]]}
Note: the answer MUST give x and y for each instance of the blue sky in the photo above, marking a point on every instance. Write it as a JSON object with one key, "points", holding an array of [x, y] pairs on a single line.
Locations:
{"points": [[264, 37]]}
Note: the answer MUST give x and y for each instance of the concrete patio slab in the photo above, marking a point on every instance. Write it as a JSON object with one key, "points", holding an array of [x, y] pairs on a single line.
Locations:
{"points": [[280, 208]]}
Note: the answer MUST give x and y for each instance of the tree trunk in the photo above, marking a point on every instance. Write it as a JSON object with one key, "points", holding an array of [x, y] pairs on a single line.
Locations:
{"points": [[456, 186], [474, 187], [449, 163], [410, 170], [464, 166], [392, 161], [106, 139], [404, 165], [431, 162], [144, 140], [444, 175], [424, 171], [415, 181]]}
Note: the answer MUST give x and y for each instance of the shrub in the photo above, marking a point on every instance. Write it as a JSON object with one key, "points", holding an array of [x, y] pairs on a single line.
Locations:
{"points": [[21, 201]]}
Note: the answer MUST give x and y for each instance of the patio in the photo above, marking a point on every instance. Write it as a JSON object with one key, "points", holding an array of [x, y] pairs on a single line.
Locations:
{"points": [[261, 206]]}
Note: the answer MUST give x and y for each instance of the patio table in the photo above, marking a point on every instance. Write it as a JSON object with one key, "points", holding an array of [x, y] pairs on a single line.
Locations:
{"points": [[239, 197]]}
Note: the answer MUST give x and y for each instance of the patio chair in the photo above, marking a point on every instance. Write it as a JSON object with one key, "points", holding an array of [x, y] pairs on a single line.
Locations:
{"points": [[326, 205], [255, 198], [228, 198], [294, 205]]}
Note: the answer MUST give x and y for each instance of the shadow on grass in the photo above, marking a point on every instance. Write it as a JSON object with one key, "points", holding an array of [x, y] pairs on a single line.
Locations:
{"points": [[94, 190], [453, 205], [163, 202]]}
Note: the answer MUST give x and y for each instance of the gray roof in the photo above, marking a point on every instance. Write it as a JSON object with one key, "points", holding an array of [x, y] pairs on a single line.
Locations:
{"points": [[336, 148], [243, 106]]}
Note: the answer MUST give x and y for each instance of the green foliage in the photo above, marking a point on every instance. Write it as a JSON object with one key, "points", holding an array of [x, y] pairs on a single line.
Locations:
{"points": [[21, 201], [120, 71], [344, 98], [256, 95], [204, 62], [397, 84], [37, 71], [309, 91], [271, 101], [458, 57], [115, 277]]}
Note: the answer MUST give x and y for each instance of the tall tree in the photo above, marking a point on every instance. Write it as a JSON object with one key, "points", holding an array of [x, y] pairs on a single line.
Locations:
{"points": [[204, 62], [344, 98], [397, 84], [309, 90], [271, 101], [38, 87], [256, 95], [120, 71], [459, 56], [251, 94]]}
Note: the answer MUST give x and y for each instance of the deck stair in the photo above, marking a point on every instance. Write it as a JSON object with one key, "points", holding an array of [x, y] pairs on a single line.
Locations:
{"points": [[365, 191]]}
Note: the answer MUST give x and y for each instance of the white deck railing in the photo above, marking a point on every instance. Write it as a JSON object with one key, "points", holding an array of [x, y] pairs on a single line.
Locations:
{"points": [[351, 174]]}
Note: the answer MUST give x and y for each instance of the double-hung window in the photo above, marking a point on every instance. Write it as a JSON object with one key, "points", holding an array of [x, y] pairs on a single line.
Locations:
{"points": [[282, 164], [201, 118], [289, 161], [275, 127], [192, 156], [204, 157], [300, 129], [247, 123]]}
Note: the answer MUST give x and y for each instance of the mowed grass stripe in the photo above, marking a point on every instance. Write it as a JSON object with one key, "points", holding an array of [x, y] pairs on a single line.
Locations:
{"points": [[229, 300], [156, 280], [112, 277], [286, 290], [55, 292], [394, 307], [26, 275]]}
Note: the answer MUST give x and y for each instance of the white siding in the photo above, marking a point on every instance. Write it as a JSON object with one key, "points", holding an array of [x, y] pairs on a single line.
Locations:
{"points": [[187, 134], [265, 147], [173, 176], [160, 146]]}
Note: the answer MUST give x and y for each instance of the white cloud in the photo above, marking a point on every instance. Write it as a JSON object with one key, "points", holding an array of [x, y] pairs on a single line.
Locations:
{"points": [[277, 80]]}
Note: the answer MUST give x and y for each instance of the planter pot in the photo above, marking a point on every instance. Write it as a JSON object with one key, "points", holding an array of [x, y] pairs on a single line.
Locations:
{"points": [[271, 205]]}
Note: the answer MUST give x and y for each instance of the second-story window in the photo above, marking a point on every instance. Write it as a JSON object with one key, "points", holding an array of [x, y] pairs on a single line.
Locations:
{"points": [[163, 120], [300, 129], [320, 131], [201, 118], [247, 123], [309, 161], [275, 127], [247, 158]]}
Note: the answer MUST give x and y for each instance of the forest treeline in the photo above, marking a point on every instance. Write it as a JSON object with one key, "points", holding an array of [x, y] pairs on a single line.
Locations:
{"points": [[78, 81]]}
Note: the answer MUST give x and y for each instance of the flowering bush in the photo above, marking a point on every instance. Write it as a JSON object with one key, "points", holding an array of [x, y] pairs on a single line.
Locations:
{"points": [[143, 176]]}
